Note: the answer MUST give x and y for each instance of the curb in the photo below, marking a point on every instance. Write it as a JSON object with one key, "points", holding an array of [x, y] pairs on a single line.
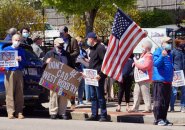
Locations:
{"points": [[132, 118]]}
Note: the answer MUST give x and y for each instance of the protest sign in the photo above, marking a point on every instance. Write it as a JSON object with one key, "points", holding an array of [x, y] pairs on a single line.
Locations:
{"points": [[90, 77], [140, 75], [7, 59], [61, 78], [178, 78]]}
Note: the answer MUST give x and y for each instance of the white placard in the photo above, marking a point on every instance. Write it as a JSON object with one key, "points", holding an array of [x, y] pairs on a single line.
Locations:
{"points": [[178, 79], [7, 59], [156, 34], [140, 75], [91, 75]]}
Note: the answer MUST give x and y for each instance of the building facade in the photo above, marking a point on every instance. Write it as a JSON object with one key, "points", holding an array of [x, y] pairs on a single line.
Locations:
{"points": [[160, 4]]}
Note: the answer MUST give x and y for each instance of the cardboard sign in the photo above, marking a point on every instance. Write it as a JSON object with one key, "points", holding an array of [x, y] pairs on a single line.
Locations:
{"points": [[140, 75], [91, 77], [7, 59], [178, 79], [61, 78]]}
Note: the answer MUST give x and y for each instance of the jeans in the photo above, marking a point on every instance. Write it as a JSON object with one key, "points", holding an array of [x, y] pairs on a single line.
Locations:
{"points": [[98, 99], [87, 92], [174, 96], [81, 91]]}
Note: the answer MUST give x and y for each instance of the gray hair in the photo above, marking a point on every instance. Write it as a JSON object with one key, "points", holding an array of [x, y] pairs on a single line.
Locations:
{"points": [[12, 31], [148, 44]]}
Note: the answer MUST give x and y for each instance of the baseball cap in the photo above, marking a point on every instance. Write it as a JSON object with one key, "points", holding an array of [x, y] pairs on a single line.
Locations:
{"points": [[91, 35], [36, 36], [166, 39], [63, 29], [59, 40]]}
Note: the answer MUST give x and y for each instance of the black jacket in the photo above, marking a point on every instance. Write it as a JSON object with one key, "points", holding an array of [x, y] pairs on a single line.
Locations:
{"points": [[128, 69], [27, 41], [97, 53], [73, 51], [53, 54]]}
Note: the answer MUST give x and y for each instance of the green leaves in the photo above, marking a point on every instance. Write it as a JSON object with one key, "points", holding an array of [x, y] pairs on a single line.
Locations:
{"points": [[17, 14]]}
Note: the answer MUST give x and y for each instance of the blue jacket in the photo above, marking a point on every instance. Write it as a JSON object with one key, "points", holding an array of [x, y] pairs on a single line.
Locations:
{"points": [[163, 66], [21, 52], [8, 37], [178, 59]]}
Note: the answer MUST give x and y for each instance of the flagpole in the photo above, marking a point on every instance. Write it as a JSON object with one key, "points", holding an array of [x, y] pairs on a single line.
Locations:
{"points": [[153, 41], [115, 5]]}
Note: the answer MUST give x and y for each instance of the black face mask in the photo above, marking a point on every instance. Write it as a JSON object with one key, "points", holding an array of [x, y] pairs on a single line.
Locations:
{"points": [[60, 47]]}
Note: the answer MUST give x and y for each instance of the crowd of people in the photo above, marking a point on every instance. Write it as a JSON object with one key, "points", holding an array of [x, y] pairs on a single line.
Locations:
{"points": [[160, 67]]}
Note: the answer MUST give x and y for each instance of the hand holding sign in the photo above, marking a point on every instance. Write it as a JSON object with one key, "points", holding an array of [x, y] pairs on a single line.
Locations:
{"points": [[91, 77], [61, 78], [18, 58]]}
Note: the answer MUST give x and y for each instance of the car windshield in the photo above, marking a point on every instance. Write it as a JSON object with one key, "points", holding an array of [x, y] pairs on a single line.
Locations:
{"points": [[49, 27]]}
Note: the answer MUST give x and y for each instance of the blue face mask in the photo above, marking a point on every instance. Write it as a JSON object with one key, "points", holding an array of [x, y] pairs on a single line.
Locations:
{"points": [[89, 44], [25, 35], [168, 47]]}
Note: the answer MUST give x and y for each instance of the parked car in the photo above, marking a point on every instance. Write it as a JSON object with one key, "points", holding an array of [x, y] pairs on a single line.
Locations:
{"points": [[34, 94], [50, 32]]}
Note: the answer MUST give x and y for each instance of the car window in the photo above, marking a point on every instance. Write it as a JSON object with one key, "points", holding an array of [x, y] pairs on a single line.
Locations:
{"points": [[30, 55], [49, 27]]}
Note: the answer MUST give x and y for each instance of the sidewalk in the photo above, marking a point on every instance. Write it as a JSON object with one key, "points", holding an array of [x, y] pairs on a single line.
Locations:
{"points": [[82, 112]]}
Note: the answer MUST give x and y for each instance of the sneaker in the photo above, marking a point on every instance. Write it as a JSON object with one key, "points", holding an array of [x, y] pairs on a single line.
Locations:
{"points": [[103, 119], [172, 110], [155, 122], [20, 116], [162, 123], [168, 123], [53, 116], [183, 109], [92, 118], [10, 116], [64, 117]]}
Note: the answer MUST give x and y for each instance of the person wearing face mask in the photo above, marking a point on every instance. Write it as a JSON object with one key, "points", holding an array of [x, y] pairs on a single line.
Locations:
{"points": [[178, 54], [10, 32], [82, 63], [57, 104], [14, 81], [145, 63], [25, 32], [162, 81], [97, 53], [71, 47]]}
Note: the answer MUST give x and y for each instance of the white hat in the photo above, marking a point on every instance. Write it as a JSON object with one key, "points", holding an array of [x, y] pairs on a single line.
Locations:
{"points": [[58, 40]]}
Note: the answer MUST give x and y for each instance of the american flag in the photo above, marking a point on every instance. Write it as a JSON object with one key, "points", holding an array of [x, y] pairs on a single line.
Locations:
{"points": [[126, 34]]}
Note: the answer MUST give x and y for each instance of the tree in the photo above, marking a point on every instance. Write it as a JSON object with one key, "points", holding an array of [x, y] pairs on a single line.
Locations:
{"points": [[18, 14], [155, 18], [87, 8]]}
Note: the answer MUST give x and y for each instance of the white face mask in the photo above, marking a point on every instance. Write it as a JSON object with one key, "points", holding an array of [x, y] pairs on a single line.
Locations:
{"points": [[143, 50], [15, 44]]}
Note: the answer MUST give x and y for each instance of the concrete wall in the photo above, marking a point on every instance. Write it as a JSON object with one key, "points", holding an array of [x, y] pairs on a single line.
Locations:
{"points": [[161, 4]]}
